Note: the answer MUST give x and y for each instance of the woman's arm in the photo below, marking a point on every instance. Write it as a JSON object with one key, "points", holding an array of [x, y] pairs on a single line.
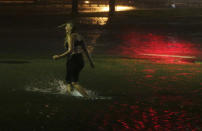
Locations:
{"points": [[87, 54], [55, 57], [89, 58], [66, 43], [70, 41]]}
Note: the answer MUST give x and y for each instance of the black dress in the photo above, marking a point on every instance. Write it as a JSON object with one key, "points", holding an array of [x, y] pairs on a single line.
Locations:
{"points": [[75, 64]]}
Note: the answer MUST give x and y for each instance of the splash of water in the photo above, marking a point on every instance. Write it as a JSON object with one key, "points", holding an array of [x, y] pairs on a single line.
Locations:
{"points": [[59, 87]]}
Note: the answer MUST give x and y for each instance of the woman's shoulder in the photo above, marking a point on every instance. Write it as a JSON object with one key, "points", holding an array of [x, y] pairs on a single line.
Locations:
{"points": [[77, 36]]}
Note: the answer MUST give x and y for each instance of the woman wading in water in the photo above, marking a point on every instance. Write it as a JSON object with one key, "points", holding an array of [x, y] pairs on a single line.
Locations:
{"points": [[75, 45]]}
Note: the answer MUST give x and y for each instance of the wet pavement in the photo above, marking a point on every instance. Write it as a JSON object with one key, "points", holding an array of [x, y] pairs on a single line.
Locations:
{"points": [[147, 69]]}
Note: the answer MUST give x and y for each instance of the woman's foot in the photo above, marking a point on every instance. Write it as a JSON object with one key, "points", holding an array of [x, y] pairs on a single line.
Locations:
{"points": [[80, 89]]}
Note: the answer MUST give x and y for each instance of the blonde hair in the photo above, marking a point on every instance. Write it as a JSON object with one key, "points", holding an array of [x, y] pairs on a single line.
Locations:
{"points": [[68, 23]]}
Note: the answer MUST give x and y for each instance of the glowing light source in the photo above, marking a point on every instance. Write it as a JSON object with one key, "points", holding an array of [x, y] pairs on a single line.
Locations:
{"points": [[124, 8], [103, 8], [86, 2], [118, 8]]}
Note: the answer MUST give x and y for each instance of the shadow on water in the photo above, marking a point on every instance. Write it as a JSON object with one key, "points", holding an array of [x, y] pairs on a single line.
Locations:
{"points": [[13, 62]]}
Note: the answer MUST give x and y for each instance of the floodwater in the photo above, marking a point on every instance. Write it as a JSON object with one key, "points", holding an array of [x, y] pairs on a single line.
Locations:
{"points": [[59, 87], [163, 95]]}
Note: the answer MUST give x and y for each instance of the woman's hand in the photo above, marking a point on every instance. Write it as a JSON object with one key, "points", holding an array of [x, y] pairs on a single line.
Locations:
{"points": [[55, 57]]}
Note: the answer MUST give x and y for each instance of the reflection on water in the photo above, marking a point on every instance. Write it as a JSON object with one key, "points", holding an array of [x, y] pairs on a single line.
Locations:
{"points": [[165, 48], [135, 117], [93, 20]]}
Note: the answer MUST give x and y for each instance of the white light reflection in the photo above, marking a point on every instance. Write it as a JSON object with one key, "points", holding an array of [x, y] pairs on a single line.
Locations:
{"points": [[94, 20]]}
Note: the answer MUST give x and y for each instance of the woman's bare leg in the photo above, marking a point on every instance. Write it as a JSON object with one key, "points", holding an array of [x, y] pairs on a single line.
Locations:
{"points": [[80, 89], [69, 88]]}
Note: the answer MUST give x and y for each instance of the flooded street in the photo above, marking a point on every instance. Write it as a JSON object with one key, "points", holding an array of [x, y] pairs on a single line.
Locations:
{"points": [[133, 95], [147, 74]]}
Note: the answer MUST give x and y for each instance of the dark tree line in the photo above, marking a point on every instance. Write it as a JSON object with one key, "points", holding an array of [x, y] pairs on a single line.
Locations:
{"points": [[112, 6], [75, 7]]}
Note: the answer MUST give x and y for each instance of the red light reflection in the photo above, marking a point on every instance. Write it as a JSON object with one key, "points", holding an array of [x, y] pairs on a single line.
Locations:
{"points": [[150, 45], [133, 117]]}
